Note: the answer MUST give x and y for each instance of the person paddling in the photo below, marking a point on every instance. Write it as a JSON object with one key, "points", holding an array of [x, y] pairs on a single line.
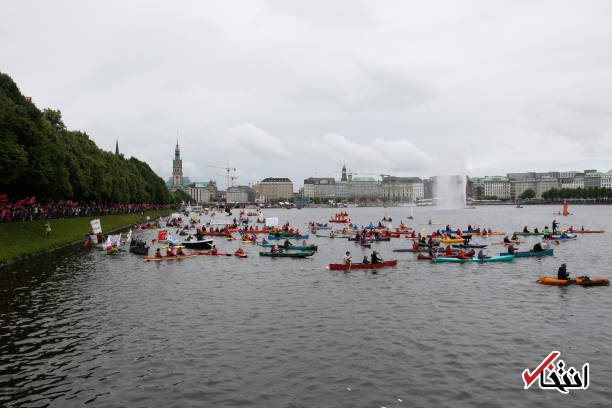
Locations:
{"points": [[481, 255], [562, 273], [375, 258], [158, 253], [348, 259]]}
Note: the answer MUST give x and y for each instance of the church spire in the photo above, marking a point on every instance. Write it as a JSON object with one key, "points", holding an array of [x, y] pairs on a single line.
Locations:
{"points": [[117, 147]]}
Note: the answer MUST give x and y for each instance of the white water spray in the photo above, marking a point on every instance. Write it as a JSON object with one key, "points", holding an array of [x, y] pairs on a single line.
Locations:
{"points": [[449, 191]]}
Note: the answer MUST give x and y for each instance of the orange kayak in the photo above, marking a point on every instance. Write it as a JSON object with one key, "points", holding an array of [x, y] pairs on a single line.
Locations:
{"points": [[577, 281]]}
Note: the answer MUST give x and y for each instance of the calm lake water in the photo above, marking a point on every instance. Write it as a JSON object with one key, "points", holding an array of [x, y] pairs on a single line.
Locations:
{"points": [[78, 326]]}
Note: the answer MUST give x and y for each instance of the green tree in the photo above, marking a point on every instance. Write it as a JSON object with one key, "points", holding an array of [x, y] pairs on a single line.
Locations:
{"points": [[528, 194]]}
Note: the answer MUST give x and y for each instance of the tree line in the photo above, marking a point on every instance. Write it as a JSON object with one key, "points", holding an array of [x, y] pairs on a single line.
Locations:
{"points": [[589, 192], [40, 157]]}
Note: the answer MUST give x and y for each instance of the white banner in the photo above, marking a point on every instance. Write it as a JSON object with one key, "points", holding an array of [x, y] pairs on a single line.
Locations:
{"points": [[96, 227], [272, 222]]}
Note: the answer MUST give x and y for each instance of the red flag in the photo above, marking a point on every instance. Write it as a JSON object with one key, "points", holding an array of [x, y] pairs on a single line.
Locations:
{"points": [[161, 235]]}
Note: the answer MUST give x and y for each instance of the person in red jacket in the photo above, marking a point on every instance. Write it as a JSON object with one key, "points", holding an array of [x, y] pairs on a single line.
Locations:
{"points": [[448, 250]]}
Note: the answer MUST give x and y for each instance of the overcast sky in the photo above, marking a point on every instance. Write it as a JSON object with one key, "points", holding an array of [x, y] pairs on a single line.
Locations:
{"points": [[297, 88]]}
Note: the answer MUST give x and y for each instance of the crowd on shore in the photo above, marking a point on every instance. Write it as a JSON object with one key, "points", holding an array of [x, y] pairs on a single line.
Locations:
{"points": [[29, 209]]}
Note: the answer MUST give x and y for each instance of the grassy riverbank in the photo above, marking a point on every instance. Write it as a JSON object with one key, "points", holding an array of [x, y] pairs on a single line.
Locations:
{"points": [[19, 239]]}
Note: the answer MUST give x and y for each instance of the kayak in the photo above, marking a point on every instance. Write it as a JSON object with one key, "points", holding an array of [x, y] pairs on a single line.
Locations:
{"points": [[243, 255], [577, 281], [168, 258], [334, 236], [293, 236], [429, 257], [303, 248], [366, 245], [267, 245], [530, 253], [488, 233], [502, 258], [452, 240], [507, 243], [534, 233], [210, 253], [339, 267], [586, 231], [215, 234], [569, 237], [469, 246], [418, 250], [248, 242], [287, 254], [231, 239]]}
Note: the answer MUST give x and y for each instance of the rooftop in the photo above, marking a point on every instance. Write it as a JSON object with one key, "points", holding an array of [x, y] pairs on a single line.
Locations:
{"points": [[276, 180]]}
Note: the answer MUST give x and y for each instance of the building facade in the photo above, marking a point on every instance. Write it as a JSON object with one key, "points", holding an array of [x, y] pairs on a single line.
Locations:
{"points": [[363, 187], [274, 188], [402, 188], [240, 194], [342, 189], [497, 186], [319, 187]]}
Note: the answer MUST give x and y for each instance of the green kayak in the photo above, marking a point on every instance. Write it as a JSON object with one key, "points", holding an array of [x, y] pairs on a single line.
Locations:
{"points": [[287, 254], [334, 236], [532, 233], [502, 258], [302, 248]]}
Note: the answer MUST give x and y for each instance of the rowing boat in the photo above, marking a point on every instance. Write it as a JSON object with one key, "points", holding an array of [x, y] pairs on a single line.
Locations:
{"points": [[338, 267]]}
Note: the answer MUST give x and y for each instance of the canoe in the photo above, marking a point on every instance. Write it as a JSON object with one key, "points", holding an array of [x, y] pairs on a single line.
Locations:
{"points": [[210, 253], [488, 233], [429, 257], [577, 281], [340, 221], [240, 255], [454, 231], [586, 231], [198, 244], [417, 250], [139, 250], [216, 234], [293, 236], [529, 253], [302, 248], [168, 258], [267, 245], [287, 254], [283, 234], [339, 267], [535, 234], [502, 258], [507, 243], [469, 246], [335, 236]]}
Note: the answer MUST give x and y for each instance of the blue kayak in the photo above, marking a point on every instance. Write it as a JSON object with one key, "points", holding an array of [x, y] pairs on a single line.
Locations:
{"points": [[530, 253]]}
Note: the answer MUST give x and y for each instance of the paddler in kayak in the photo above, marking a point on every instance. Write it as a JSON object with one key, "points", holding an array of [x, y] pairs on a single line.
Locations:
{"points": [[365, 260], [481, 255], [462, 255], [448, 250], [511, 249], [170, 252], [506, 239], [537, 247], [348, 259], [564, 235], [286, 243], [158, 253], [554, 226], [375, 258], [525, 229], [239, 251], [562, 273], [179, 251], [214, 250]]}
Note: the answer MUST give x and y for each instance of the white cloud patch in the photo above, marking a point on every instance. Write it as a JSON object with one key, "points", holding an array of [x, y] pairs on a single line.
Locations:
{"points": [[257, 141]]}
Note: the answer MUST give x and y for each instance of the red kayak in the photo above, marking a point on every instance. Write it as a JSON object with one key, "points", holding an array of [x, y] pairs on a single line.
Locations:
{"points": [[242, 255], [210, 253], [338, 267], [216, 234], [468, 254]]}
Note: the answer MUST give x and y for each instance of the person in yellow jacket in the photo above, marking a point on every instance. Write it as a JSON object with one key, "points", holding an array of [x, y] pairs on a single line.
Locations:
{"points": [[48, 230]]}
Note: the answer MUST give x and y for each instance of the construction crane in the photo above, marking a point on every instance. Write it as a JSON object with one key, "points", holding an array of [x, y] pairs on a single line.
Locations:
{"points": [[231, 178], [227, 174]]}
